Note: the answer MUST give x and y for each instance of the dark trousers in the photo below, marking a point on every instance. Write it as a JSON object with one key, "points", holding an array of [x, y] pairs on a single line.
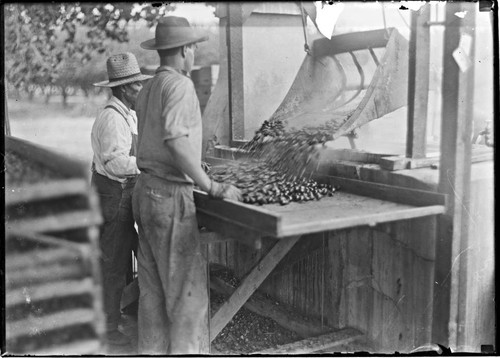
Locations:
{"points": [[118, 238]]}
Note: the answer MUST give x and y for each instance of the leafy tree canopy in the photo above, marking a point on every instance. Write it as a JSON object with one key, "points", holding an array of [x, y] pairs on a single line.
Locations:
{"points": [[46, 42]]}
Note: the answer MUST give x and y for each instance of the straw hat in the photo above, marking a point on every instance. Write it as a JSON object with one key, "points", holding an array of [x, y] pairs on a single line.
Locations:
{"points": [[122, 68], [171, 32]]}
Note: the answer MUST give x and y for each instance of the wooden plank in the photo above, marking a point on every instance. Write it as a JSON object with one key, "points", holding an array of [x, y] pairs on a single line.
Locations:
{"points": [[418, 82], [48, 290], [319, 343], [43, 324], [51, 240], [58, 222], [362, 40], [248, 216], [400, 163], [327, 224], [236, 86], [130, 293], [386, 192], [455, 175], [230, 231], [40, 257], [39, 275], [249, 284], [50, 190], [83, 347], [257, 303]]}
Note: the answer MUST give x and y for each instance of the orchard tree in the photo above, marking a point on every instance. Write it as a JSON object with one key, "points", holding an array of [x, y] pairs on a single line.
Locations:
{"points": [[46, 43]]}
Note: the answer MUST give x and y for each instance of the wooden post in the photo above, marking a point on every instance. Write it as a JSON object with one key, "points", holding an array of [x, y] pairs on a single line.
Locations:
{"points": [[7, 121], [418, 82], [235, 69], [454, 176]]}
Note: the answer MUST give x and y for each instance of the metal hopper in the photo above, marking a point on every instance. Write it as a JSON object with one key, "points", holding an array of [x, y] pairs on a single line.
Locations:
{"points": [[348, 81]]}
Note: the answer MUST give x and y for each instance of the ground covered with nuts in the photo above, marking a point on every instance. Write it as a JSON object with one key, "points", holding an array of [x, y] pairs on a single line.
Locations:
{"points": [[247, 332]]}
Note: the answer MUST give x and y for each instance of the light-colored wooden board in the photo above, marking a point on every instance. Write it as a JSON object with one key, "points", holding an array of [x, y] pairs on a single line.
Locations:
{"points": [[79, 348], [57, 222], [314, 344], [356, 203], [49, 190], [41, 324], [47, 291]]}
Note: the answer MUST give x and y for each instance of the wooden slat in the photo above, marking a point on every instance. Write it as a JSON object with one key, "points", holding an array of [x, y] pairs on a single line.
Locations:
{"points": [[241, 214], [418, 82], [43, 324], [394, 163], [85, 347], [48, 291], [249, 284], [38, 258], [36, 275], [58, 222], [328, 224], [66, 166], [350, 42], [314, 344], [50, 190], [49, 240], [386, 192], [257, 303], [235, 68], [230, 231]]}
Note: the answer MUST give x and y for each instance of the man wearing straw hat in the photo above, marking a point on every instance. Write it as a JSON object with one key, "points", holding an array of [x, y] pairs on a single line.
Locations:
{"points": [[114, 172], [173, 303]]}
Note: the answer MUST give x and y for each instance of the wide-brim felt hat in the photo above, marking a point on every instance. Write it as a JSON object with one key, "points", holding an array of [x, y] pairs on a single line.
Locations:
{"points": [[171, 32], [122, 68]]}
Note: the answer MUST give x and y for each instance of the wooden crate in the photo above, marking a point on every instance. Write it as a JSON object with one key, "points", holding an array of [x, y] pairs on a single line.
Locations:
{"points": [[53, 296], [53, 285]]}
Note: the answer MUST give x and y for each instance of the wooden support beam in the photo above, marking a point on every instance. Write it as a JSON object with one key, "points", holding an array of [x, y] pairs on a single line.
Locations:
{"points": [[315, 344], [418, 82], [478, 155], [249, 284], [455, 175], [235, 67], [6, 111], [257, 303]]}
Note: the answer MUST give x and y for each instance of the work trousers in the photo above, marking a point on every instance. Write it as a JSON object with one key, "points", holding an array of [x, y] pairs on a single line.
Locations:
{"points": [[173, 302], [118, 238]]}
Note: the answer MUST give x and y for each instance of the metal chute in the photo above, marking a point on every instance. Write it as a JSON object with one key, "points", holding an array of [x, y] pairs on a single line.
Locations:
{"points": [[348, 81]]}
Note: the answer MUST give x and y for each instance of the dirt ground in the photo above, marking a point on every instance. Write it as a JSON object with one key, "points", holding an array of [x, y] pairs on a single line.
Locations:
{"points": [[66, 130]]}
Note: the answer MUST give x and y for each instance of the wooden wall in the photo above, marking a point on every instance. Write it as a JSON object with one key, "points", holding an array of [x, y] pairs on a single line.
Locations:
{"points": [[377, 280]]}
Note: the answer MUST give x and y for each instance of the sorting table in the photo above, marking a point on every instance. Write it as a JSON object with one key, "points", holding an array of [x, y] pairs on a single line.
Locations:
{"points": [[356, 203]]}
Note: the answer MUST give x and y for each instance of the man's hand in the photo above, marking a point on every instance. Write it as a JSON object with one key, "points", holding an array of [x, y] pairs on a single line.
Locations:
{"points": [[224, 191]]}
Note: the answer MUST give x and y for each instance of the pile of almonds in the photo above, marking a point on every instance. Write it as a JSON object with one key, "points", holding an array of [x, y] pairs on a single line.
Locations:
{"points": [[292, 151], [262, 185], [20, 171]]}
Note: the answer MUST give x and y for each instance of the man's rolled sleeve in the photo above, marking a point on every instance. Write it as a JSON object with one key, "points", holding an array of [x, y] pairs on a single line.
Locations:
{"points": [[176, 111]]}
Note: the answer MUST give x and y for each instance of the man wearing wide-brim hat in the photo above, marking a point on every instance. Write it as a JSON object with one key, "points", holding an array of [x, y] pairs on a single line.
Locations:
{"points": [[114, 172], [173, 303]]}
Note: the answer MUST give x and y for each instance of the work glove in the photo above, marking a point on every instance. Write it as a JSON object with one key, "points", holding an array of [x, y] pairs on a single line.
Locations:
{"points": [[224, 191]]}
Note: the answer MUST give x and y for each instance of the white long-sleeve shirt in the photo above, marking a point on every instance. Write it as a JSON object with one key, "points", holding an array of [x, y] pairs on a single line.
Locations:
{"points": [[111, 139]]}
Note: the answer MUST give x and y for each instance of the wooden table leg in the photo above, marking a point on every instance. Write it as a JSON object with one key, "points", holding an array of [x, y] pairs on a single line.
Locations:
{"points": [[250, 284]]}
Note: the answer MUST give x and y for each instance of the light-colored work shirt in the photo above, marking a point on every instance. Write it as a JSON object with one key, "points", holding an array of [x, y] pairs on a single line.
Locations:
{"points": [[111, 139], [167, 108]]}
